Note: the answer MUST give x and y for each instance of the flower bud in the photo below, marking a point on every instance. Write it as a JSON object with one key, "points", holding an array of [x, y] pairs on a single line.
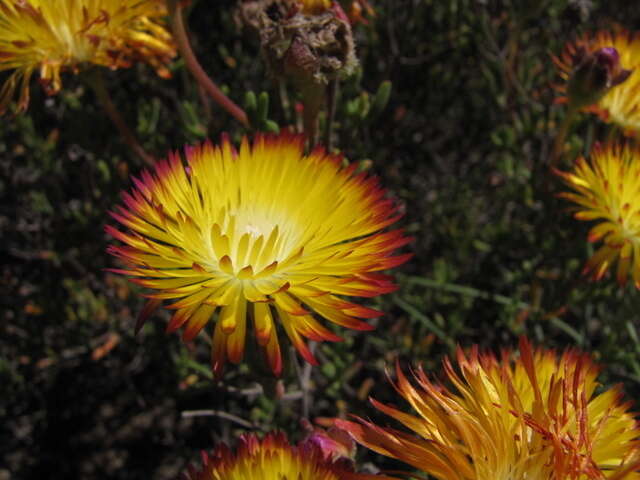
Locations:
{"points": [[594, 74], [307, 48]]}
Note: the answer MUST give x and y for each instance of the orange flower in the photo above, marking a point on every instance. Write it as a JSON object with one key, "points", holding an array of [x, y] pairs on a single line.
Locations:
{"points": [[535, 417], [52, 36], [267, 234]]}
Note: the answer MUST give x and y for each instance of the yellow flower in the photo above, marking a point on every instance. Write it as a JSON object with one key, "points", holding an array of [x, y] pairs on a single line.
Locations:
{"points": [[607, 188], [265, 233], [272, 458], [619, 102], [51, 36], [535, 417]]}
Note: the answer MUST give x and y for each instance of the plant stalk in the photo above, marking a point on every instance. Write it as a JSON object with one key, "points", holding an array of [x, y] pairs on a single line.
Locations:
{"points": [[332, 94], [95, 79], [561, 136], [182, 40]]}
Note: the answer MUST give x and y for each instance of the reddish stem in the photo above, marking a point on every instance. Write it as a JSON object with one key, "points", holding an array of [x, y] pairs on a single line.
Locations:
{"points": [[182, 40]]}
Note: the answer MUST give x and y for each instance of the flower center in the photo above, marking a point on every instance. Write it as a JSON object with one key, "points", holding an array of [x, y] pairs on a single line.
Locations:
{"points": [[246, 241], [71, 45]]}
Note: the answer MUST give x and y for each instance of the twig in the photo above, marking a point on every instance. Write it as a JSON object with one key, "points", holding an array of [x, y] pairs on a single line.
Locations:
{"points": [[218, 413], [304, 379], [182, 40], [96, 82], [313, 96], [561, 136], [284, 101]]}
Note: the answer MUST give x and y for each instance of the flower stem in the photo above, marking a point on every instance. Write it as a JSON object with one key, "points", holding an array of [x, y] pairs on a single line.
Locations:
{"points": [[561, 136], [313, 97], [332, 94], [95, 79], [182, 40]]}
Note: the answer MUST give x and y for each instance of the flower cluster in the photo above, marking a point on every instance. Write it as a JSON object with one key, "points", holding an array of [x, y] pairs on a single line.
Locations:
{"points": [[600, 73], [280, 235]]}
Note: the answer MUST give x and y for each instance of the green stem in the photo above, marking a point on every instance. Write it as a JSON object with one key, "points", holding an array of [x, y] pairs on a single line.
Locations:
{"points": [[182, 40], [313, 96], [332, 94], [95, 79]]}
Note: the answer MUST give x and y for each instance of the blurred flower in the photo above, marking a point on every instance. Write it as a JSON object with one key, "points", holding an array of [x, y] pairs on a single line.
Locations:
{"points": [[358, 10], [313, 7], [608, 188], [533, 417], [264, 233], [334, 442], [594, 75], [599, 74], [66, 35], [272, 458]]}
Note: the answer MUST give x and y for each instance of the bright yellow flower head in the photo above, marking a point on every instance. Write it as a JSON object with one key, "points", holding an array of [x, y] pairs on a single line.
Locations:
{"points": [[534, 418], [272, 458], [607, 188], [620, 104], [51, 36], [267, 234]]}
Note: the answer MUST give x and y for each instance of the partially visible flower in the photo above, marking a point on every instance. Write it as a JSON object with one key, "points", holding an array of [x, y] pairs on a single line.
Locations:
{"points": [[313, 7], [358, 10], [265, 234], [272, 458], [534, 417], [594, 75], [607, 188], [599, 73], [50, 37], [334, 442]]}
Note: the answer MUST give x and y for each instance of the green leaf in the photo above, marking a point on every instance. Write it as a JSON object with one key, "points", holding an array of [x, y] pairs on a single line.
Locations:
{"points": [[380, 99], [263, 108]]}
